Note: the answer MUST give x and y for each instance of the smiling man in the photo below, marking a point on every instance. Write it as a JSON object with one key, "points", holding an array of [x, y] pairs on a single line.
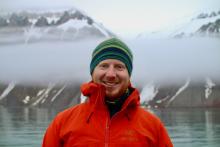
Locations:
{"points": [[113, 75], [112, 115]]}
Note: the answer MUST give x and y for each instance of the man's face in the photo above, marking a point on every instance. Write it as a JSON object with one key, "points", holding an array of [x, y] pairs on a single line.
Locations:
{"points": [[113, 74]]}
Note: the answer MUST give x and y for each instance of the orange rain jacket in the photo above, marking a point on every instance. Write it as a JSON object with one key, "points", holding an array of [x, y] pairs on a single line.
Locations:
{"points": [[89, 124]]}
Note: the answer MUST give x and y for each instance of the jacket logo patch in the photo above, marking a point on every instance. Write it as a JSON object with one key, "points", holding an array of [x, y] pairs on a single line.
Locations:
{"points": [[129, 136]]}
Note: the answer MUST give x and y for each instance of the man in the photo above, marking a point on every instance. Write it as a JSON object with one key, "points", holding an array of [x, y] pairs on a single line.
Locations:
{"points": [[112, 115]]}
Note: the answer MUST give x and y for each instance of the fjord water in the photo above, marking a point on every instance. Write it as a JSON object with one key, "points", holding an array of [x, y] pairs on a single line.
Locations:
{"points": [[192, 127], [24, 127]]}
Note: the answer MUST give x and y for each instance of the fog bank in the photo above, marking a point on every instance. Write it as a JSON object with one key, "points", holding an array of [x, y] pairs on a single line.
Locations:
{"points": [[165, 60]]}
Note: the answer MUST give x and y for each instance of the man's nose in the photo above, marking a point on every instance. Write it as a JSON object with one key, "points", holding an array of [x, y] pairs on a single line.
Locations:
{"points": [[111, 72]]}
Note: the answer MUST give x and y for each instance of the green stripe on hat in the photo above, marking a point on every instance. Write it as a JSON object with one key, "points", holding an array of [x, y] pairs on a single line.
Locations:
{"points": [[112, 48], [113, 42]]}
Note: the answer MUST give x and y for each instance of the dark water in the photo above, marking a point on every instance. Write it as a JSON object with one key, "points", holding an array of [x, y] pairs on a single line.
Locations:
{"points": [[192, 127], [24, 127]]}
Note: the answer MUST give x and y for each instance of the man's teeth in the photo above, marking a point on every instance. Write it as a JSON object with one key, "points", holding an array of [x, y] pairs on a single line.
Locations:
{"points": [[110, 83]]}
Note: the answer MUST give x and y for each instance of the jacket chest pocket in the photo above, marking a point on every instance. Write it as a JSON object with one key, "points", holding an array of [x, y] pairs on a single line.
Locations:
{"points": [[132, 138]]}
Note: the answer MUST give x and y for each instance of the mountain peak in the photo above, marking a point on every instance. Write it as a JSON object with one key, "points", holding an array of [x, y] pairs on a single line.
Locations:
{"points": [[205, 15], [203, 24], [71, 24]]}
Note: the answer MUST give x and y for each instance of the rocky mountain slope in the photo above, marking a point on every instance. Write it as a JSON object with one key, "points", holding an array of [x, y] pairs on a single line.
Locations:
{"points": [[189, 94], [28, 26], [57, 96], [202, 25]]}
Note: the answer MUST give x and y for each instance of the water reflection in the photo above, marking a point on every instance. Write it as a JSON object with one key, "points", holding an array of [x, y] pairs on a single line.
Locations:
{"points": [[24, 127], [192, 127]]}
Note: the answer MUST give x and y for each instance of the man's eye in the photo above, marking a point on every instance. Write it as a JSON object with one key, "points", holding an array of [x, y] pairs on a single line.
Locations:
{"points": [[103, 65], [120, 67]]}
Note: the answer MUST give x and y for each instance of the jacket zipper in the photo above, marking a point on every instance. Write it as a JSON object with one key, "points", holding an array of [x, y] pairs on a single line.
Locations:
{"points": [[107, 127]]}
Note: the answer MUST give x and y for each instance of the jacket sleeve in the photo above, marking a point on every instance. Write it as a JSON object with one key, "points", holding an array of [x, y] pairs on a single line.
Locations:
{"points": [[164, 139], [51, 137]]}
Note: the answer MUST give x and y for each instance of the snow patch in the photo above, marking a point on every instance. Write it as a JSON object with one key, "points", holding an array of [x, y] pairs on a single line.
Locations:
{"points": [[162, 100], [40, 92], [101, 29], [179, 91], [44, 95], [208, 87], [52, 19], [186, 26], [26, 99], [55, 96], [7, 90], [195, 24], [74, 23], [148, 92]]}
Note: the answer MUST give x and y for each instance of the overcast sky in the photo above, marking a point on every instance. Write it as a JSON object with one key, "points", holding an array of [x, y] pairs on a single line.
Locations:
{"points": [[123, 16]]}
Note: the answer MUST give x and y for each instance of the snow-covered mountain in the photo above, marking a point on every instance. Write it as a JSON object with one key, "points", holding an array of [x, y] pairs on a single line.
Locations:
{"points": [[63, 31], [31, 26], [185, 94], [202, 25], [190, 92], [27, 27], [52, 95]]}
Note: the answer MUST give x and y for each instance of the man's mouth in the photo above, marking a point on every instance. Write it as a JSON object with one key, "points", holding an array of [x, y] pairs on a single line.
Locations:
{"points": [[110, 84]]}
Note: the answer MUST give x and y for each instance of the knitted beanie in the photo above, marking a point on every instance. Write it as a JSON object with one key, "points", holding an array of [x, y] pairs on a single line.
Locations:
{"points": [[112, 48]]}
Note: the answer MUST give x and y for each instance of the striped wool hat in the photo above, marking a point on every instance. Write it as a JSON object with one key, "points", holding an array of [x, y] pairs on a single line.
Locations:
{"points": [[112, 48]]}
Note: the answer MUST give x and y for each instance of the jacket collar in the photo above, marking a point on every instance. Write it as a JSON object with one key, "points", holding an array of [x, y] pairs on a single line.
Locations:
{"points": [[96, 94]]}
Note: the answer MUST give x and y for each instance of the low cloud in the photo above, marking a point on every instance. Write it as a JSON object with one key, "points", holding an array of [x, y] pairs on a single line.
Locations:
{"points": [[154, 60]]}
